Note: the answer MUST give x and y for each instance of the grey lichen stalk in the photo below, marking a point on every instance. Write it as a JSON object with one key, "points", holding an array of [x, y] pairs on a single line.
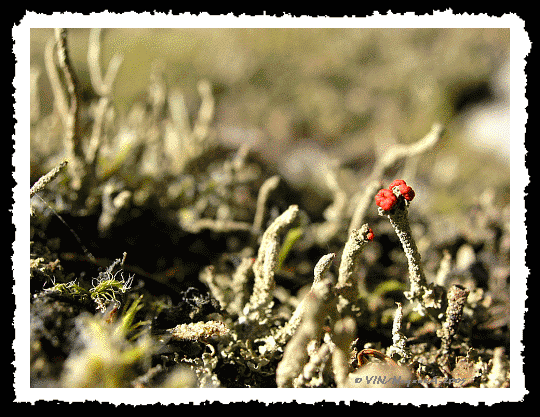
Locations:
{"points": [[399, 340], [348, 279], [265, 266], [457, 297], [429, 297]]}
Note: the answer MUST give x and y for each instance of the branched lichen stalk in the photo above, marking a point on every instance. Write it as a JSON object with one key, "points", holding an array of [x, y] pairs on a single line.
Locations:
{"points": [[102, 84]]}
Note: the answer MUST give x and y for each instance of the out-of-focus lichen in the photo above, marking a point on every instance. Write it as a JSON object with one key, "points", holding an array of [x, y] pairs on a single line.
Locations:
{"points": [[498, 375], [343, 335], [389, 158], [268, 186], [113, 199]]}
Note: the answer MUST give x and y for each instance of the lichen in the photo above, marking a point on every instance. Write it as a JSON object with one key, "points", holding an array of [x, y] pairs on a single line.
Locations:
{"points": [[232, 274]]}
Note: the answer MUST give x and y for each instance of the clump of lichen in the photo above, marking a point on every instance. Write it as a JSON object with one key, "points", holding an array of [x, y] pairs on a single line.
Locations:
{"points": [[249, 288]]}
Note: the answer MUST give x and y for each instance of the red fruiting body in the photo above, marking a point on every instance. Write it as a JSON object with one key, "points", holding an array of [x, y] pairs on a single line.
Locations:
{"points": [[370, 235], [406, 191], [396, 183], [385, 199]]}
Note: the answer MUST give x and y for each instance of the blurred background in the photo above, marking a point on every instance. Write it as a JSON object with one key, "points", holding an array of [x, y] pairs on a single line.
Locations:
{"points": [[301, 95]]}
